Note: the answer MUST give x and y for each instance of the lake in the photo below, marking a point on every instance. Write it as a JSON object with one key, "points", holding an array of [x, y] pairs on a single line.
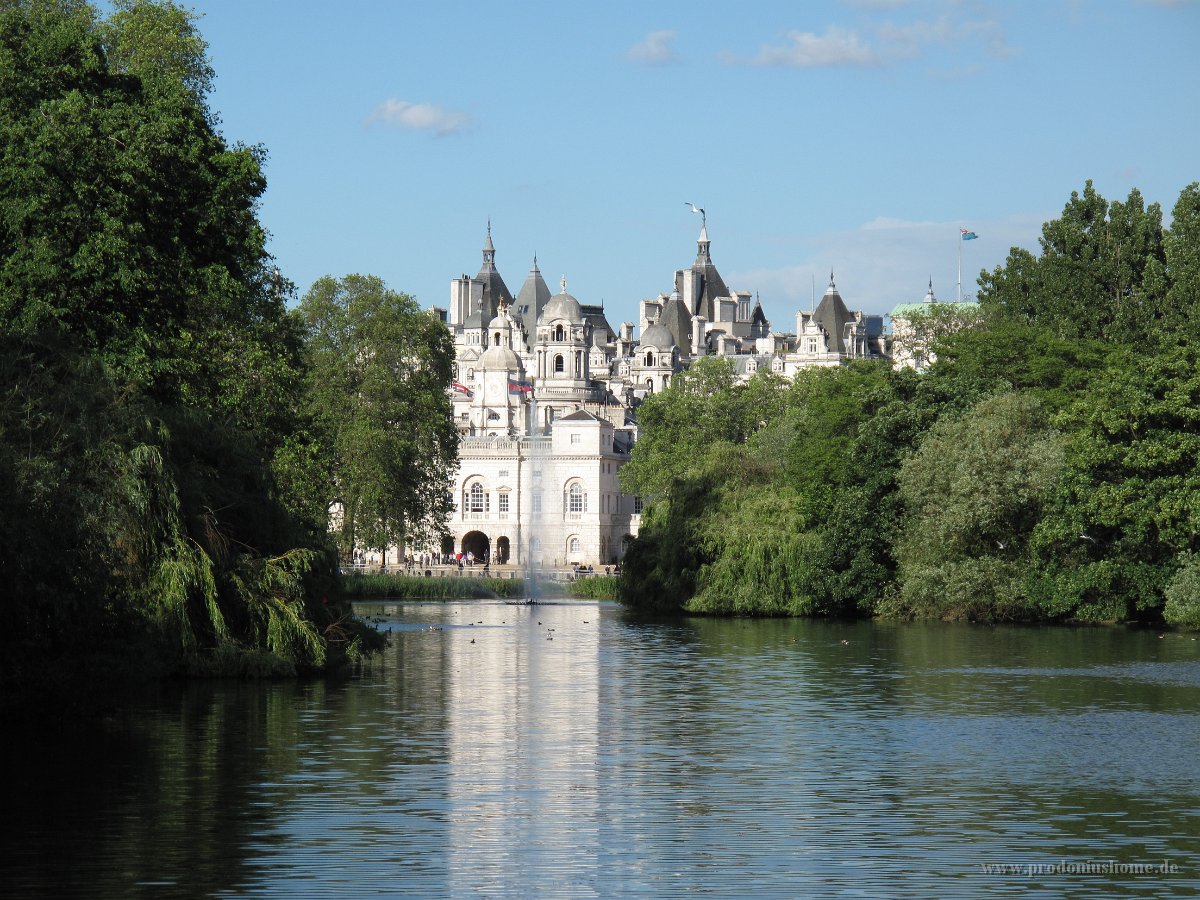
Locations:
{"points": [[574, 751]]}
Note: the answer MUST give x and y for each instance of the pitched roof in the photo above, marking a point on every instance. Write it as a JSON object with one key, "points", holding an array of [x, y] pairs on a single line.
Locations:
{"points": [[832, 315], [533, 296]]}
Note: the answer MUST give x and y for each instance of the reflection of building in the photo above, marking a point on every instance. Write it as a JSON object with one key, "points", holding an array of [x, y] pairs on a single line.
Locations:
{"points": [[546, 391]]}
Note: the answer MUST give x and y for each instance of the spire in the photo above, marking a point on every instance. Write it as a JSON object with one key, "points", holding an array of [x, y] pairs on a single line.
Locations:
{"points": [[929, 298], [832, 289], [489, 252], [702, 242]]}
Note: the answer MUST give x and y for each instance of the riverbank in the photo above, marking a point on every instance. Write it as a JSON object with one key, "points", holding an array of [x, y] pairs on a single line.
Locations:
{"points": [[470, 585]]}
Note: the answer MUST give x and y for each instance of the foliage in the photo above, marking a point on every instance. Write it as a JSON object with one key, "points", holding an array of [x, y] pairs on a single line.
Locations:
{"points": [[148, 372], [1130, 496], [1182, 608], [1101, 275], [415, 587], [1044, 467], [382, 441], [974, 492], [701, 407], [595, 587]]}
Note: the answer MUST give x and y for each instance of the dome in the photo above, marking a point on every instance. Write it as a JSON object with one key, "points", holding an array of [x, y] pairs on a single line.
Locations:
{"points": [[562, 306], [658, 336], [499, 359]]}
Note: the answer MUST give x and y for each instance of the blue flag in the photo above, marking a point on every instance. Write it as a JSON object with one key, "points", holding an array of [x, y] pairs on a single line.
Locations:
{"points": [[968, 235]]}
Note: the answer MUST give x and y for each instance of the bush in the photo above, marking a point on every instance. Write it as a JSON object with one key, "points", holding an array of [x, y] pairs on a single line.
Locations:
{"points": [[1182, 608]]}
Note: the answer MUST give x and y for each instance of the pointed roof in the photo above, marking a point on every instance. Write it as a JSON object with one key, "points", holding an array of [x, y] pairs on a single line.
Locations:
{"points": [[832, 315], [708, 279], [533, 296], [495, 291], [758, 317], [676, 318]]}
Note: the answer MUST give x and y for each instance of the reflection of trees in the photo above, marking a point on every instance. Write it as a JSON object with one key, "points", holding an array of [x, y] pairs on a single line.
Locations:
{"points": [[161, 795], [182, 796]]}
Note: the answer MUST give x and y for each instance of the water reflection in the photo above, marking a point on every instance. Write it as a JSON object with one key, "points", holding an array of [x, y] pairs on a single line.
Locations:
{"points": [[510, 751]]}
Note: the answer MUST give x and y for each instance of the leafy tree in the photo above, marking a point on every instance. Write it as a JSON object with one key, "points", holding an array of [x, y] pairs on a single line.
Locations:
{"points": [[379, 371], [1101, 274], [702, 406], [150, 371], [974, 492], [1130, 497]]}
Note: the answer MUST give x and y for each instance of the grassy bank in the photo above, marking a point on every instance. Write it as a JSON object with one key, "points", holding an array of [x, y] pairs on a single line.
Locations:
{"points": [[414, 587]]}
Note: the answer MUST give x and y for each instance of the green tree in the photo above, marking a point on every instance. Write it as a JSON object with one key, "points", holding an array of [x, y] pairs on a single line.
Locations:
{"points": [[381, 417], [974, 492], [150, 372], [1101, 274], [1129, 503]]}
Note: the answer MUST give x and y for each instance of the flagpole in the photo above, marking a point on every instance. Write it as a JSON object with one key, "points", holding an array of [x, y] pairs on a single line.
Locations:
{"points": [[960, 243]]}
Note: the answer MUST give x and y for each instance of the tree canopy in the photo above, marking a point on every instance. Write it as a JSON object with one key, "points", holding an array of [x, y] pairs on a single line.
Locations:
{"points": [[150, 372], [1041, 469], [378, 369]]}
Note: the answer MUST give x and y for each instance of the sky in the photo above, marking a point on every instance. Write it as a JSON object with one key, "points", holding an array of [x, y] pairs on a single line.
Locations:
{"points": [[855, 136]]}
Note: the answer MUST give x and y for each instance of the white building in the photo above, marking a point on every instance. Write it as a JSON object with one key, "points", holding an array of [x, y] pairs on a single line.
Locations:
{"points": [[546, 393]]}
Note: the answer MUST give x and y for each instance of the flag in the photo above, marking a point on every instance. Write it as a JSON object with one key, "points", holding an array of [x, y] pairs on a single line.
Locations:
{"points": [[461, 389], [519, 387], [968, 235]]}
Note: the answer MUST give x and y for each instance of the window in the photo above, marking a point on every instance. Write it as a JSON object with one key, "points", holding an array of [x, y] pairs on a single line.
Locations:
{"points": [[559, 334], [503, 504], [649, 359], [558, 363], [576, 438], [503, 473], [476, 499], [573, 545], [535, 544], [576, 498], [537, 501], [637, 505]]}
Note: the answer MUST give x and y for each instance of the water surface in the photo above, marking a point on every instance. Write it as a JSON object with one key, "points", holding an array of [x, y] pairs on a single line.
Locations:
{"points": [[569, 750]]}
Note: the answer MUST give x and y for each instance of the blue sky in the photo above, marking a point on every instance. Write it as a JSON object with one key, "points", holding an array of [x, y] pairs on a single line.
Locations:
{"points": [[855, 135]]}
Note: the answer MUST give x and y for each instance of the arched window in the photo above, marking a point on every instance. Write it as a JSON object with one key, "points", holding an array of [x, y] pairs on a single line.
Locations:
{"points": [[559, 334], [649, 359], [573, 545], [496, 339], [576, 498], [649, 385], [475, 498], [559, 365]]}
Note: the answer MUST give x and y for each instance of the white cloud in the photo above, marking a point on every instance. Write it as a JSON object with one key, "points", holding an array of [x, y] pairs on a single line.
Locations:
{"points": [[876, 4], [837, 47], [420, 117], [880, 42], [656, 50], [887, 261]]}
